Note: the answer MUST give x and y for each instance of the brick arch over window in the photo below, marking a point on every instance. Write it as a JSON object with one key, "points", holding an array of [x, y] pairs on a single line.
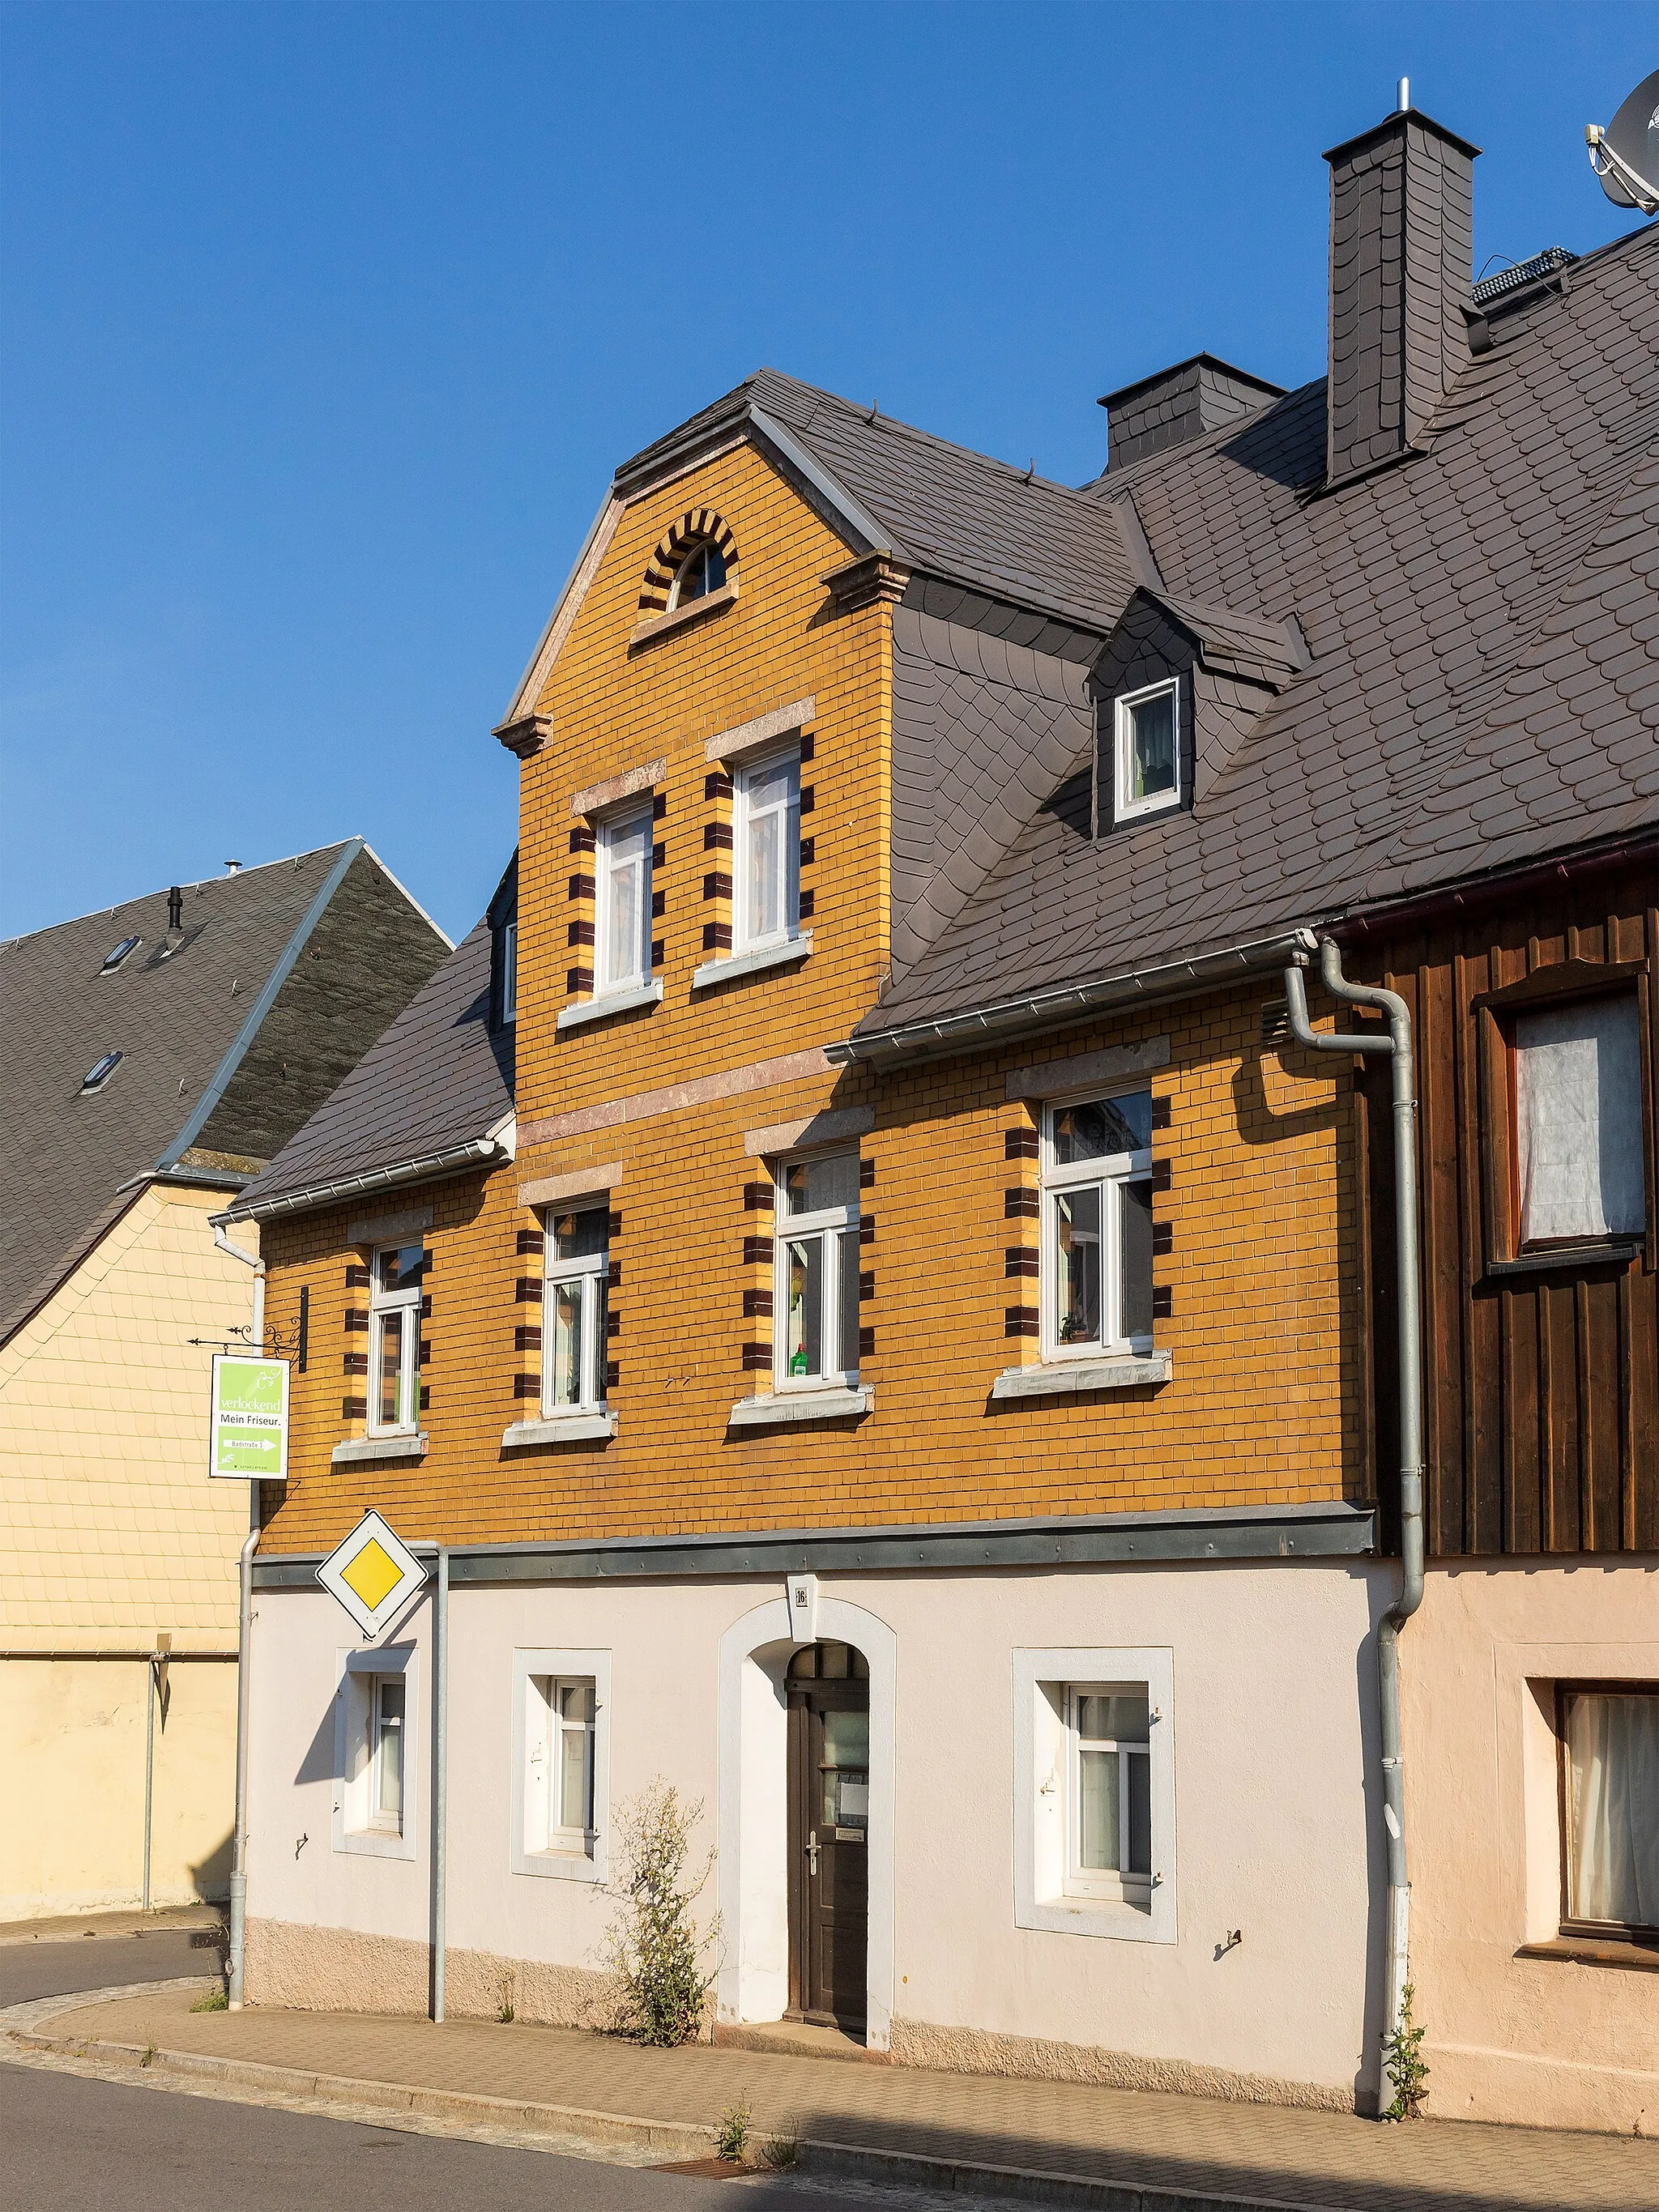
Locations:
{"points": [[698, 526]]}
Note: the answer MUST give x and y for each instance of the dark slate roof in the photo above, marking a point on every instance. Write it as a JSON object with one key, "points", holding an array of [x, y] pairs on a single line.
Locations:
{"points": [[1483, 688], [439, 1079], [944, 510], [64, 1155]]}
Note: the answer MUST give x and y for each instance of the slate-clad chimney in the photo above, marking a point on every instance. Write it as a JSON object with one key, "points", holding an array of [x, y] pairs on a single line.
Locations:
{"points": [[1180, 403], [1402, 251]]}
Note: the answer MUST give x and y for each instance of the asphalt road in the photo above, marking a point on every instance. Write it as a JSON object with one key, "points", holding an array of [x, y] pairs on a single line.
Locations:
{"points": [[71, 2144], [100, 1962]]}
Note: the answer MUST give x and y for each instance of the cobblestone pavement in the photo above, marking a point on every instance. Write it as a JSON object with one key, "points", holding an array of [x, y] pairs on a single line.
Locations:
{"points": [[1249, 2151]]}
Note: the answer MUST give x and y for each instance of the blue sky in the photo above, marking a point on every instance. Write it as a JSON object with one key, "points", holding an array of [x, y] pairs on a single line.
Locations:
{"points": [[322, 328]]}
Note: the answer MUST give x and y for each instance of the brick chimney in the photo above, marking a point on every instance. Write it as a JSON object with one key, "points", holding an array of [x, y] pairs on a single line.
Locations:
{"points": [[1402, 252]]}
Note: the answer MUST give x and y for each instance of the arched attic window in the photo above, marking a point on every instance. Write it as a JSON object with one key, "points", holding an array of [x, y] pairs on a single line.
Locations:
{"points": [[696, 557]]}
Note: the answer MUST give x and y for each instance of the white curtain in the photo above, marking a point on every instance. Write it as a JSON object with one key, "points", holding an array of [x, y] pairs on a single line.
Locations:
{"points": [[1578, 1101], [1612, 1746]]}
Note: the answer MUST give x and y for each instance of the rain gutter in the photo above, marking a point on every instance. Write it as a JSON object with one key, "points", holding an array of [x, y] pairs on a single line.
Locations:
{"points": [[421, 1168]]}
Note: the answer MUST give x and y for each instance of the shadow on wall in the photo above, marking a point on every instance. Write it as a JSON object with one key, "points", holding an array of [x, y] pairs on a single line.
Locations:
{"points": [[211, 1877], [318, 1764]]}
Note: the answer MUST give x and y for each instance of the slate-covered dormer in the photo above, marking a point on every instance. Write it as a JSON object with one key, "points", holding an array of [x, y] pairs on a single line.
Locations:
{"points": [[1179, 687]]}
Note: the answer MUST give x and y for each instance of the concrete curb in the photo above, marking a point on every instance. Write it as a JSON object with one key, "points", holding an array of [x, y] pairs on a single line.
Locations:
{"points": [[665, 2139]]}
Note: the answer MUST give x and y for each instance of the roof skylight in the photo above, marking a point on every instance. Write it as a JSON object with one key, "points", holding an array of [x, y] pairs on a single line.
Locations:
{"points": [[114, 959], [101, 1071]]}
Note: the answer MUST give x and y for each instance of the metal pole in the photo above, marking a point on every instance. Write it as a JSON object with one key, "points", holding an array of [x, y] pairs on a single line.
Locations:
{"points": [[440, 1791], [244, 1657], [149, 1765], [1408, 1322]]}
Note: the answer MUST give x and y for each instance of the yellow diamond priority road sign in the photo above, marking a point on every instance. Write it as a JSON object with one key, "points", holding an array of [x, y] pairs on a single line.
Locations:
{"points": [[373, 1574]]}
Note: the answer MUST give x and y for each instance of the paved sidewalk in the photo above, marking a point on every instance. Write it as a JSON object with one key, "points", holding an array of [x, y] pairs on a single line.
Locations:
{"points": [[1208, 2153], [74, 1926]]}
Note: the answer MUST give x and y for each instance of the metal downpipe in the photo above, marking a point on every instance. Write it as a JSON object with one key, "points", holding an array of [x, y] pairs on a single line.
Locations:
{"points": [[1398, 1045], [441, 1782]]}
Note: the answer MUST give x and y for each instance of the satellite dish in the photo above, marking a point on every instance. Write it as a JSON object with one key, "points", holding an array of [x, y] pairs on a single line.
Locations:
{"points": [[1626, 155]]}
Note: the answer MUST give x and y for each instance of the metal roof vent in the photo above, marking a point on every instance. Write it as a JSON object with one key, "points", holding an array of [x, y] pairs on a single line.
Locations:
{"points": [[1523, 272], [232, 867], [112, 960], [101, 1071]]}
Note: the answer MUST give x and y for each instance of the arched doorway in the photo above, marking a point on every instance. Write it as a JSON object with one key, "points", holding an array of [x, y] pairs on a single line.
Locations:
{"points": [[827, 1687]]}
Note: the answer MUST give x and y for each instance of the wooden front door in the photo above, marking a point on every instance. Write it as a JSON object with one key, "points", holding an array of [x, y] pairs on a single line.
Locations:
{"points": [[829, 1691]]}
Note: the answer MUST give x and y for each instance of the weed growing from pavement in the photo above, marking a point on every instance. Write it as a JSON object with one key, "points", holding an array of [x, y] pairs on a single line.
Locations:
{"points": [[780, 2152], [1402, 2054], [654, 1947], [214, 2000], [147, 2056], [731, 2136]]}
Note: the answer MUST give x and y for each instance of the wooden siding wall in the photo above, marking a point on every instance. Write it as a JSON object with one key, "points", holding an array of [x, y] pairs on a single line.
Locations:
{"points": [[1542, 1390]]}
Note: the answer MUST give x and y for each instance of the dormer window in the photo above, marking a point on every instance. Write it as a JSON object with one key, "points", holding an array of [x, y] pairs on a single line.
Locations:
{"points": [[1146, 751], [702, 571]]}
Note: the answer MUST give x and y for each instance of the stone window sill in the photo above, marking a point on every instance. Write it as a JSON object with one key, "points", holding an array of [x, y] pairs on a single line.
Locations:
{"points": [[562, 1429], [780, 1408], [377, 1448], [1595, 1951], [1132, 1371], [678, 617], [730, 965], [578, 1015]]}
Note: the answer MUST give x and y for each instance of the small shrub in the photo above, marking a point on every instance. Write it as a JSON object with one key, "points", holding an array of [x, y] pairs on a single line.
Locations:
{"points": [[1402, 2055], [214, 2000], [654, 1947], [731, 2136], [779, 2151]]}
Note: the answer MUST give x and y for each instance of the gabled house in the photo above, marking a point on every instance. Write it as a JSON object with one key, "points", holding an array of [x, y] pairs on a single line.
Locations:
{"points": [[157, 1055], [933, 1380]]}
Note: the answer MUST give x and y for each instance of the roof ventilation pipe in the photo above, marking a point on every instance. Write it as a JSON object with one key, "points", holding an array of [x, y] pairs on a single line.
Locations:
{"points": [[175, 936], [1402, 257], [1398, 1044]]}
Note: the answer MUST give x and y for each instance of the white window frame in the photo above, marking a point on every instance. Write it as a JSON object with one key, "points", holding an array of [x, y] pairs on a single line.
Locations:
{"points": [[703, 547], [1111, 1172], [606, 831], [535, 1847], [510, 971], [358, 1827], [406, 1302], [1125, 807], [1047, 1894], [745, 938], [593, 1274], [1121, 1886], [830, 1223]]}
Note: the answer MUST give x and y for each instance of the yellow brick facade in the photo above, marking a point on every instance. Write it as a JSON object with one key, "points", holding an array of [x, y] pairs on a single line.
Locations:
{"points": [[1262, 1206]]}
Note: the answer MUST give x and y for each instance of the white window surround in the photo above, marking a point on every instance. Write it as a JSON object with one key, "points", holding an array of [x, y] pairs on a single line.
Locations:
{"points": [[404, 1300], [407, 1444], [1126, 807], [751, 1870], [729, 965], [566, 1428], [580, 1012], [766, 828], [555, 1863], [622, 894], [586, 1277], [1040, 1901], [356, 1673], [1134, 1371], [776, 1409], [833, 1228], [1110, 1173]]}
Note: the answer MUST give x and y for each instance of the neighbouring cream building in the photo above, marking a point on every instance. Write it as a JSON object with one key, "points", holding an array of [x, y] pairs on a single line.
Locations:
{"points": [[155, 1054]]}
